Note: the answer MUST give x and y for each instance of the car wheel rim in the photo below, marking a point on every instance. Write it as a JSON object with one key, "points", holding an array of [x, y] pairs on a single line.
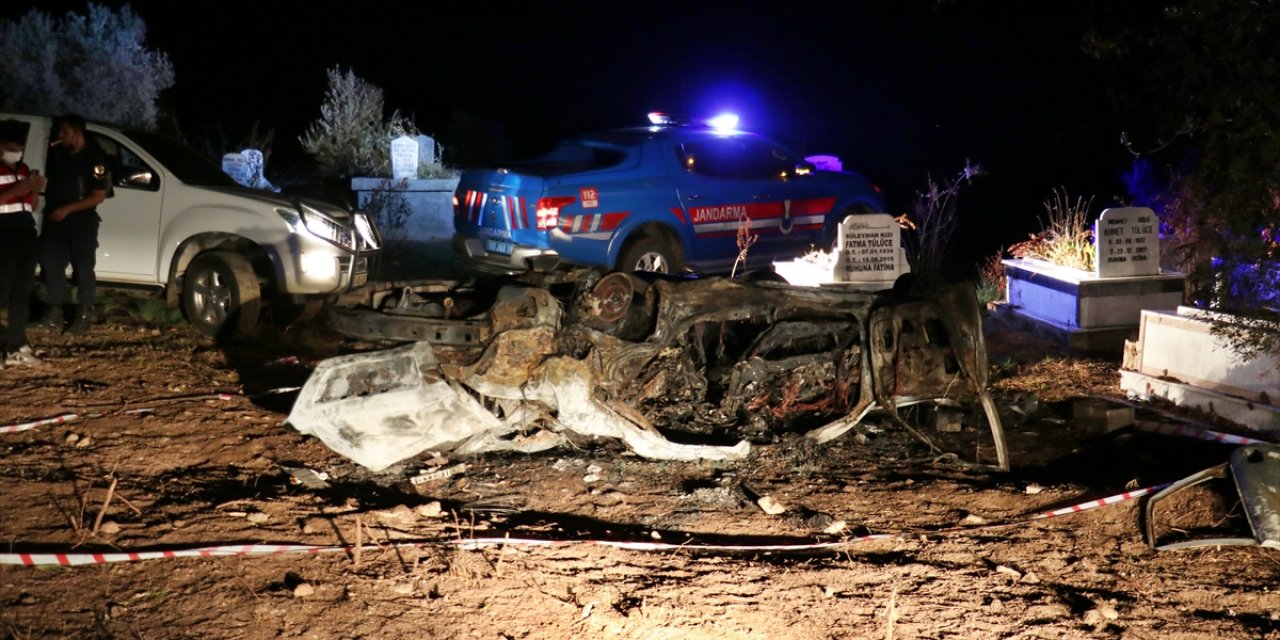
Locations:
{"points": [[653, 262], [212, 298]]}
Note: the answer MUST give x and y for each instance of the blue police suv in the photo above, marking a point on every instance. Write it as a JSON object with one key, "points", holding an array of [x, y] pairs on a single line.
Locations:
{"points": [[667, 198]]}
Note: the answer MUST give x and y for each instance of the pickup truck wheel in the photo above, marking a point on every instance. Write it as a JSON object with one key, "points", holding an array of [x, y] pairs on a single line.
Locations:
{"points": [[647, 254], [220, 294]]}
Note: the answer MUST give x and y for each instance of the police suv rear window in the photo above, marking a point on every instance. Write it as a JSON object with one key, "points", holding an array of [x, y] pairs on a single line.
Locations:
{"points": [[572, 156]]}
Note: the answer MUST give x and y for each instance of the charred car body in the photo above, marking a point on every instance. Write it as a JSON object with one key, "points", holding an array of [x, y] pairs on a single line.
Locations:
{"points": [[640, 359]]}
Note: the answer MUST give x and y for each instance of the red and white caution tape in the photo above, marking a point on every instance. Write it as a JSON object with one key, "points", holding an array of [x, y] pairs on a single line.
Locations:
{"points": [[77, 559], [1189, 431], [1094, 504], [88, 558], [27, 426]]}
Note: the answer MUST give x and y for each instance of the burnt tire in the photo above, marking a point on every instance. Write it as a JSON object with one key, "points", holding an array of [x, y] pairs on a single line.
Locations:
{"points": [[647, 254], [220, 295]]}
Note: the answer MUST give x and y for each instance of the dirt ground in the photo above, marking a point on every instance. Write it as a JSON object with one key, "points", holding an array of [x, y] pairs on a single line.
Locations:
{"points": [[192, 469]]}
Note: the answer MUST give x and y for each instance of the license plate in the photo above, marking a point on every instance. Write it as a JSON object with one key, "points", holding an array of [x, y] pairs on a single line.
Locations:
{"points": [[359, 279], [497, 246]]}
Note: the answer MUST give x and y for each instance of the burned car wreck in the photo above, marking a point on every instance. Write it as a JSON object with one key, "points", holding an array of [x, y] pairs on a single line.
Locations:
{"points": [[660, 364]]}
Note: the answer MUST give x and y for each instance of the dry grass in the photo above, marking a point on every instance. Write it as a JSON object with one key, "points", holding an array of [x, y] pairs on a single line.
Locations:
{"points": [[1066, 236]]}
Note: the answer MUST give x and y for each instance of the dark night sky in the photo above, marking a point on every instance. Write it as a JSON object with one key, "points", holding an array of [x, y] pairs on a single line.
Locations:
{"points": [[898, 89]]}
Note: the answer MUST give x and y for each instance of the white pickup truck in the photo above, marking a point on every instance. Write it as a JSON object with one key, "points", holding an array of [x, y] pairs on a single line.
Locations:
{"points": [[219, 250]]}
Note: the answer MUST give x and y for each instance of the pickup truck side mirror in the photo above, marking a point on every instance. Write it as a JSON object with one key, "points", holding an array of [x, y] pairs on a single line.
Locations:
{"points": [[140, 179]]}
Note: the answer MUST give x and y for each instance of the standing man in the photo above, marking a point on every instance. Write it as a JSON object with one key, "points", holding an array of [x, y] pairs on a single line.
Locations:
{"points": [[78, 183], [19, 195]]}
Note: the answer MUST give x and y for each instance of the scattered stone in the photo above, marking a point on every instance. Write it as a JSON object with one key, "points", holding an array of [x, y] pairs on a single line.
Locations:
{"points": [[27, 599], [861, 438], [430, 510], [835, 527], [258, 517], [109, 527], [304, 590], [400, 514], [1009, 571], [1094, 416], [947, 421], [178, 524], [997, 605], [594, 468], [771, 506], [591, 477], [84, 442], [1033, 489], [1095, 618], [972, 520], [72, 438], [238, 514], [655, 535], [1030, 578], [608, 498]]}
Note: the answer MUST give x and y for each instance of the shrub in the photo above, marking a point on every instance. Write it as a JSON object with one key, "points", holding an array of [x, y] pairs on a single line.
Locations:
{"points": [[351, 138], [991, 279], [934, 219], [94, 64], [1065, 237]]}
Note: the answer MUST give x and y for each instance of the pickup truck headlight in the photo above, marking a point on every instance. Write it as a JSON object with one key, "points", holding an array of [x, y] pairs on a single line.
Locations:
{"points": [[319, 225], [368, 232]]}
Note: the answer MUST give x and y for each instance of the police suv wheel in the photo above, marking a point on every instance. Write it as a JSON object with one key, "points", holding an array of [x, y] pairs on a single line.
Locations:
{"points": [[648, 254], [220, 294]]}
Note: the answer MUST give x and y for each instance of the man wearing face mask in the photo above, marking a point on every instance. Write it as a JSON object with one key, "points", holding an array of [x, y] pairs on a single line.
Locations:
{"points": [[19, 195], [78, 183]]}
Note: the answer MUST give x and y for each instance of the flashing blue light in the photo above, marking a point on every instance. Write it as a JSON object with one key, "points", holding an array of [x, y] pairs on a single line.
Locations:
{"points": [[724, 122]]}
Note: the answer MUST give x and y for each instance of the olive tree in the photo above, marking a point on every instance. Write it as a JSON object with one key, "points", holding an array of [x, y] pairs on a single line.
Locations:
{"points": [[95, 64]]}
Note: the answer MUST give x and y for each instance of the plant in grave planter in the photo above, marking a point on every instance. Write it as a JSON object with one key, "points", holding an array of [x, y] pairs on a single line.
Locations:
{"points": [[396, 173], [1090, 285]]}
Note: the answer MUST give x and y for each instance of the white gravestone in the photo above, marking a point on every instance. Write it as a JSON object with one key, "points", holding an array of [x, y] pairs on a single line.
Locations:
{"points": [[404, 158], [237, 166], [1128, 243], [869, 249], [426, 150], [257, 165]]}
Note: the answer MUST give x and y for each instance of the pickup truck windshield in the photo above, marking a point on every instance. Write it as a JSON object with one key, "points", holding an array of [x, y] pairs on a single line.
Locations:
{"points": [[182, 161]]}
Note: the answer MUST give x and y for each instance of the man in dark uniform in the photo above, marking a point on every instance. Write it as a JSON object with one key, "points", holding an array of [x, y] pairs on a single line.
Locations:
{"points": [[78, 183]]}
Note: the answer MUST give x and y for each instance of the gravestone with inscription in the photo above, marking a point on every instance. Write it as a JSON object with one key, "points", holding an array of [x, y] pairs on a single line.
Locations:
{"points": [[404, 158], [237, 166], [868, 249], [1128, 243]]}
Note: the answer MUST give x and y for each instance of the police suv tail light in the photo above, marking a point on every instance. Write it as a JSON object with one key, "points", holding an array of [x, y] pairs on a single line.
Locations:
{"points": [[549, 210]]}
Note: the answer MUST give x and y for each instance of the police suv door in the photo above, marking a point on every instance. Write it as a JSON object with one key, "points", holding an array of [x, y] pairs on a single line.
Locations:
{"points": [[715, 200], [129, 237]]}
